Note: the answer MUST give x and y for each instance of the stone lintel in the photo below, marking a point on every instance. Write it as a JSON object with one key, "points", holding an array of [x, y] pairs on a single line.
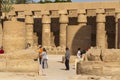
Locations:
{"points": [[29, 13], [29, 20], [64, 12], [45, 12], [117, 10], [98, 11], [46, 19], [117, 17], [81, 11]]}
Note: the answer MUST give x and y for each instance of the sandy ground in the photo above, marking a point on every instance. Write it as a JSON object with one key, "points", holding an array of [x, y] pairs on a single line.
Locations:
{"points": [[55, 71]]}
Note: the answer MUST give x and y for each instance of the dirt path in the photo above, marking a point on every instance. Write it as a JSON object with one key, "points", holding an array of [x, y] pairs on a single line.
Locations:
{"points": [[56, 70]]}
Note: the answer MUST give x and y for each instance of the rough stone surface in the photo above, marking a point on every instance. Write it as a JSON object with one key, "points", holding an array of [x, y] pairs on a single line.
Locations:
{"points": [[19, 61], [1, 35], [100, 62], [14, 36]]}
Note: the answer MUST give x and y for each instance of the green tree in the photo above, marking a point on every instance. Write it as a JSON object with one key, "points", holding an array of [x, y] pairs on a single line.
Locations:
{"points": [[41, 1], [48, 1], [23, 1], [69, 1], [6, 7], [57, 1]]}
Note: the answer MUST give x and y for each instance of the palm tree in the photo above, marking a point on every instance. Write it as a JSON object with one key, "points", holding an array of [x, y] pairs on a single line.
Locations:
{"points": [[6, 7]]}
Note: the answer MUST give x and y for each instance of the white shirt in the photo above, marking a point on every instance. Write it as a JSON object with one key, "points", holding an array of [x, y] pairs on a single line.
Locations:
{"points": [[79, 54]]}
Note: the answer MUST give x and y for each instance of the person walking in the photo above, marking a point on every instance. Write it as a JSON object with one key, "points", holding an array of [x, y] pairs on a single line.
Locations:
{"points": [[67, 57], [44, 59]]}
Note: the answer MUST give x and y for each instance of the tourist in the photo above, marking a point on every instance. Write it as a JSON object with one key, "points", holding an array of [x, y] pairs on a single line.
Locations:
{"points": [[79, 53], [67, 57], [40, 53], [44, 59], [1, 50]]}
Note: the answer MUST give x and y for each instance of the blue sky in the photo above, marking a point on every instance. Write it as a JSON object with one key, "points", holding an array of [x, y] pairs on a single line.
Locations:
{"points": [[88, 0]]}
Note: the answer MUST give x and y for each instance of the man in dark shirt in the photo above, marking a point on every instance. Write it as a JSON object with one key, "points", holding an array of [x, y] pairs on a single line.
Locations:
{"points": [[67, 57]]}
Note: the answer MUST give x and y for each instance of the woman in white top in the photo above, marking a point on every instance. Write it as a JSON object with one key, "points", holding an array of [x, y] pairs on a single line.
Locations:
{"points": [[79, 53], [44, 59]]}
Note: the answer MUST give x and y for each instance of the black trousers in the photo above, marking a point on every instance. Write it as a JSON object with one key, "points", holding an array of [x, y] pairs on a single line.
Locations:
{"points": [[67, 64]]}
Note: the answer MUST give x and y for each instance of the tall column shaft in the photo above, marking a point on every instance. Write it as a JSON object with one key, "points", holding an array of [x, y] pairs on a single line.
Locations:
{"points": [[46, 35], [29, 29], [63, 34], [116, 37], [101, 37], [46, 30], [63, 25]]}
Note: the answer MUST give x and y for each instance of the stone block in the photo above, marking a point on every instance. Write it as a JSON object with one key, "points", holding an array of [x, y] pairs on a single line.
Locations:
{"points": [[110, 55], [63, 12], [22, 54], [81, 11], [94, 55], [90, 68], [14, 37], [2, 62], [20, 65]]}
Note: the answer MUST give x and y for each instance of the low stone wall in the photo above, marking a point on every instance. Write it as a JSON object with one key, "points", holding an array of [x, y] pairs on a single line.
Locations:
{"points": [[106, 55], [100, 62], [98, 68], [94, 77], [19, 61]]}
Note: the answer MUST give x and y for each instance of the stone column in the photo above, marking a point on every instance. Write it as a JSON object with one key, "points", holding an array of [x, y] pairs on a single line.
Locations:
{"points": [[117, 17], [35, 38], [82, 19], [63, 25], [46, 20], [101, 38], [29, 29]]}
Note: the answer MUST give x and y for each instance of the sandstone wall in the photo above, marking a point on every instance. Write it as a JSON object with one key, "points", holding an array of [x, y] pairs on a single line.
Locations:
{"points": [[98, 68], [14, 36], [19, 61], [100, 62], [1, 34], [59, 6], [78, 36]]}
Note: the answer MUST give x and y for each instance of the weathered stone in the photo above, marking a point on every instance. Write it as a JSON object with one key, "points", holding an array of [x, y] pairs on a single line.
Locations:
{"points": [[90, 68], [14, 36], [94, 54], [22, 54], [1, 34], [3, 62], [19, 65], [110, 55]]}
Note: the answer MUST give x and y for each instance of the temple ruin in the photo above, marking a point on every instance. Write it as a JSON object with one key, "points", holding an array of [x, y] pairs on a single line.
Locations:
{"points": [[59, 25]]}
